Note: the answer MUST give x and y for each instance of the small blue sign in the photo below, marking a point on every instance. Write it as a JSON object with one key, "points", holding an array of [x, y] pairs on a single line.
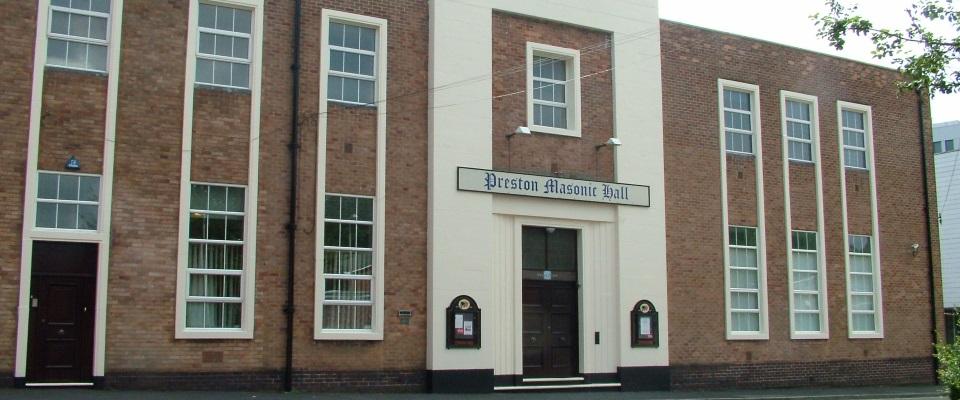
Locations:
{"points": [[73, 163]]}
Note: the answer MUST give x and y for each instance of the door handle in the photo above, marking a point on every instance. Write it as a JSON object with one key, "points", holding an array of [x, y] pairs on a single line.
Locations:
{"points": [[60, 332]]}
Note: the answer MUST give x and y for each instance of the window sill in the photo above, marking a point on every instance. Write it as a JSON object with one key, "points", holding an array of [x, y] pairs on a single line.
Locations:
{"points": [[348, 335], [213, 334], [740, 154], [747, 336], [219, 88], [348, 104], [856, 169], [865, 335], [809, 336], [555, 131], [82, 71], [801, 162]]}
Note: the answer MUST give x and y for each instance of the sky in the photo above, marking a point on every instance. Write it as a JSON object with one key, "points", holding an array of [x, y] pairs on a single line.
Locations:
{"points": [[789, 23]]}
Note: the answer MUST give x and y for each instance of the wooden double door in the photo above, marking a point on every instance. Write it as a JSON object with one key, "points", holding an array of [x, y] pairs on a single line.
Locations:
{"points": [[62, 300], [551, 344]]}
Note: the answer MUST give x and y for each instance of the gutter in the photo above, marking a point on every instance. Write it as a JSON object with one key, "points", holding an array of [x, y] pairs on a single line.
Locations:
{"points": [[926, 216], [294, 193]]}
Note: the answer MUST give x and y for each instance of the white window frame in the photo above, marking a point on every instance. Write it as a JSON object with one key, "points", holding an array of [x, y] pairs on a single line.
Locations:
{"points": [[754, 92], [376, 60], [379, 213], [821, 291], [573, 103], [80, 39], [245, 331], [877, 303], [764, 333], [252, 178], [213, 57], [813, 130], [866, 140], [874, 216], [375, 282], [38, 200], [223, 272], [813, 102], [760, 291]]}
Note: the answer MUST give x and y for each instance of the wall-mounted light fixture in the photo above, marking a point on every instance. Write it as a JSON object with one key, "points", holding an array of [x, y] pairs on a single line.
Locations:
{"points": [[915, 248], [72, 163], [612, 142], [521, 130]]}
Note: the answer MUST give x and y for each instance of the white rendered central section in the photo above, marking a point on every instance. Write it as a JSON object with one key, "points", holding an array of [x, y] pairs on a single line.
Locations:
{"points": [[462, 233]]}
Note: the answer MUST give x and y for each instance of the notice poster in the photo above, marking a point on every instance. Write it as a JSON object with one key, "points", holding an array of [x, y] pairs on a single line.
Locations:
{"points": [[468, 328], [645, 326], [458, 324]]}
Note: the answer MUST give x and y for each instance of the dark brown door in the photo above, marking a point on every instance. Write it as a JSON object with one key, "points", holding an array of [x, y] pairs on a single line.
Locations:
{"points": [[550, 303], [550, 329], [62, 298]]}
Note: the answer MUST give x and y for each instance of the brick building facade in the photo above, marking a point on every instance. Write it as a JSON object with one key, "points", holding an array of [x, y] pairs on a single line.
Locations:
{"points": [[199, 198]]}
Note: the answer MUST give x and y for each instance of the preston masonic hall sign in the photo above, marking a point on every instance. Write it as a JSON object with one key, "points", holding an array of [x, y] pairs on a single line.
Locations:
{"points": [[487, 181]]}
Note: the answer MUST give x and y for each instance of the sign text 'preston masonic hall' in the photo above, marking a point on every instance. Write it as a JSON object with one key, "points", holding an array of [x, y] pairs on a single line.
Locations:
{"points": [[481, 180]]}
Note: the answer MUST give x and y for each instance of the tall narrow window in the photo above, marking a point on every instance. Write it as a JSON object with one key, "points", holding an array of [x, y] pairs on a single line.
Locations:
{"points": [[353, 64], [744, 280], [223, 48], [862, 288], [854, 140], [78, 34], [348, 275], [806, 283], [215, 261], [550, 92], [799, 131], [67, 201], [738, 121]]}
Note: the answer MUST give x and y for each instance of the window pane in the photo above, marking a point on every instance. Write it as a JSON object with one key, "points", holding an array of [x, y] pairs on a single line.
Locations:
{"points": [[204, 71], [861, 283], [221, 73], [350, 90], [241, 48], [69, 187], [76, 55], [233, 257], [60, 22], [366, 65], [365, 236], [241, 75], [198, 197], [534, 245], [231, 315], [89, 188], [347, 289], [225, 18], [242, 20], [347, 317], [234, 227], [79, 25], [67, 216], [197, 256], [351, 63], [207, 43], [216, 227], [197, 284], [861, 302], [744, 279], [805, 302], [368, 39], [223, 45], [807, 322], [218, 198], [366, 92], [332, 207], [745, 322], [102, 6], [351, 36], [937, 147], [46, 215], [97, 57], [744, 301], [365, 209], [198, 226], [47, 186], [562, 250], [56, 52], [864, 322], [805, 281], [335, 89], [336, 34], [87, 217], [215, 256], [235, 199], [98, 28], [331, 234], [208, 16], [195, 315]]}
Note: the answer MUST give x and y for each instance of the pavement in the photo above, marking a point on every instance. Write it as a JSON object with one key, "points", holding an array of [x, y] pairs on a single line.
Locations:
{"points": [[861, 393]]}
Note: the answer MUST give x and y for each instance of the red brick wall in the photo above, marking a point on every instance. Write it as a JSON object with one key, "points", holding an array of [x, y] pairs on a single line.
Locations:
{"points": [[402, 348], [221, 136], [693, 59], [803, 196], [548, 154], [16, 62], [73, 121]]}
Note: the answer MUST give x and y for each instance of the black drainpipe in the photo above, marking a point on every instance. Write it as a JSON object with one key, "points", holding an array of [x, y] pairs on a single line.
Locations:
{"points": [[926, 216], [294, 180]]}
